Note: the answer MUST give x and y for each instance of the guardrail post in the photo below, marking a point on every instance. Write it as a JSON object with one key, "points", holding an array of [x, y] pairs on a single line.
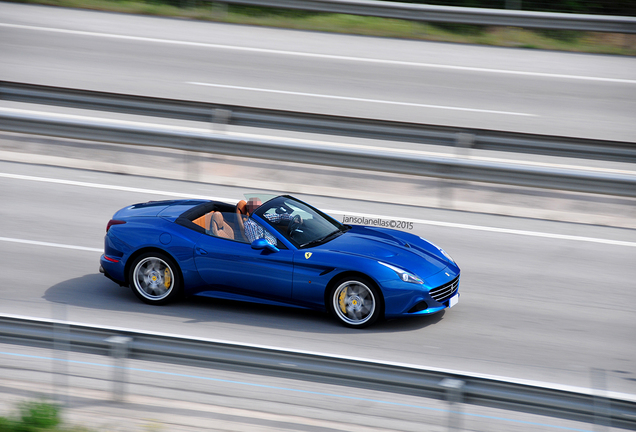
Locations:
{"points": [[601, 403], [191, 165], [220, 117], [119, 353], [463, 142], [454, 396], [61, 346]]}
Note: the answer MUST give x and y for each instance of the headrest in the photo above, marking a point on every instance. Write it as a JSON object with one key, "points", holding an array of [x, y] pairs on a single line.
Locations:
{"points": [[241, 207], [217, 218]]}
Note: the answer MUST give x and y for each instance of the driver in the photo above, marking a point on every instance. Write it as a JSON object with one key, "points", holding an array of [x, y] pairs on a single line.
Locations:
{"points": [[254, 231]]}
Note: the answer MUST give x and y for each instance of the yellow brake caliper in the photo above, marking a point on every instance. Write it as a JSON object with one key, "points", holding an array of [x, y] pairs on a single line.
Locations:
{"points": [[167, 279], [341, 300]]}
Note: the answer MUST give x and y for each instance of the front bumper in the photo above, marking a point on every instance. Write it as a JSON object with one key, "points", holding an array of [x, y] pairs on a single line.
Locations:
{"points": [[423, 301]]}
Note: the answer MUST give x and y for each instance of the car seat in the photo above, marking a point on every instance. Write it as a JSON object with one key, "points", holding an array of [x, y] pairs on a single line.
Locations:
{"points": [[219, 227], [241, 216]]}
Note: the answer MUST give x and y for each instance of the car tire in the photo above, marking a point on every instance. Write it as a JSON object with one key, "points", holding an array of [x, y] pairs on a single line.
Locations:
{"points": [[155, 278], [355, 302]]}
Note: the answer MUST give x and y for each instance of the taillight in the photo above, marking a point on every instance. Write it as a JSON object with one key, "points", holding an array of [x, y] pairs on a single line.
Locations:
{"points": [[114, 222]]}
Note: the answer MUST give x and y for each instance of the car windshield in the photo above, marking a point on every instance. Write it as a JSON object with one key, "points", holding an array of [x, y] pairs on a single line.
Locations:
{"points": [[262, 197], [303, 225]]}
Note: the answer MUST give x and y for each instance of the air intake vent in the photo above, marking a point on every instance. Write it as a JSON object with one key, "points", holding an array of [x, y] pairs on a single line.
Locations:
{"points": [[445, 291]]}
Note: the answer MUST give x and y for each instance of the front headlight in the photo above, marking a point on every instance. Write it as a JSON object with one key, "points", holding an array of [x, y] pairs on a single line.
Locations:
{"points": [[403, 274]]}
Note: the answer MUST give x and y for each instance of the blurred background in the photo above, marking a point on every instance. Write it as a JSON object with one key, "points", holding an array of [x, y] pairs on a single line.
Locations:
{"points": [[503, 132]]}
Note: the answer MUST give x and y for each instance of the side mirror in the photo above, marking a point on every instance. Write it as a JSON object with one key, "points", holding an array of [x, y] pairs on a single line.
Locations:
{"points": [[260, 244]]}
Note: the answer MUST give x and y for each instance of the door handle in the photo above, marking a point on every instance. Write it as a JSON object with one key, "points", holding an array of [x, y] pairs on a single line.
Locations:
{"points": [[201, 251]]}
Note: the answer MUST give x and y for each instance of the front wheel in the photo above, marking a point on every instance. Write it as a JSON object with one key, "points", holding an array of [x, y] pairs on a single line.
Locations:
{"points": [[154, 278], [355, 302]]}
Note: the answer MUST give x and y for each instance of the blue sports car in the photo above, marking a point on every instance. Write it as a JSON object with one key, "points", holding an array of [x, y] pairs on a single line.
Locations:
{"points": [[281, 251]]}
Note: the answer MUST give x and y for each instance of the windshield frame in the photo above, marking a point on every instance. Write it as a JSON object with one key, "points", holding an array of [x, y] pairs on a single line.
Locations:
{"points": [[280, 201]]}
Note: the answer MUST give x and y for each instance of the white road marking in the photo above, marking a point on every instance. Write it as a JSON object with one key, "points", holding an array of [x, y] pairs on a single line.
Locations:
{"points": [[316, 55], [335, 212], [48, 244], [355, 99], [113, 187]]}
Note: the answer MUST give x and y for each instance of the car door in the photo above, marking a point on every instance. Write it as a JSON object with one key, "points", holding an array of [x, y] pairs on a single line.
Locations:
{"points": [[233, 266]]}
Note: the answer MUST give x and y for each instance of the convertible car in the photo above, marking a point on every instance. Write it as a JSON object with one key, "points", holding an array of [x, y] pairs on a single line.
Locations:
{"points": [[276, 251]]}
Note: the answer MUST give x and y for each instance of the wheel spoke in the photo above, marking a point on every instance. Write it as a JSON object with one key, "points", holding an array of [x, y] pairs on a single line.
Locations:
{"points": [[354, 303], [150, 278]]}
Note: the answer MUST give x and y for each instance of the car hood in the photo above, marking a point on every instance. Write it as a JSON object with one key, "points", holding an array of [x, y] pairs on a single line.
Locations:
{"points": [[401, 249]]}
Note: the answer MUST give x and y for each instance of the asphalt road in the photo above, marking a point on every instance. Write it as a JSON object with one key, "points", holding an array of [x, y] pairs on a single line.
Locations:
{"points": [[536, 306], [547, 304], [522, 90]]}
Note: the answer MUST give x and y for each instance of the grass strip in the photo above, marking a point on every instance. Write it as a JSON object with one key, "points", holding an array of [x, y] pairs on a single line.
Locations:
{"points": [[559, 40]]}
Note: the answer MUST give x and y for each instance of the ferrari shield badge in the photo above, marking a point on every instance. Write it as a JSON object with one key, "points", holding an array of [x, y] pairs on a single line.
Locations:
{"points": [[307, 255]]}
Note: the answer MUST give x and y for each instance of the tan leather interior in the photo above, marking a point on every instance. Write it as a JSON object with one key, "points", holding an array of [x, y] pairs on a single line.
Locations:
{"points": [[201, 222], [219, 227], [241, 216]]}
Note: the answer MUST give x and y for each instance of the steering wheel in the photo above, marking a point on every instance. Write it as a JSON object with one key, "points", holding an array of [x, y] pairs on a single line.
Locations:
{"points": [[294, 224]]}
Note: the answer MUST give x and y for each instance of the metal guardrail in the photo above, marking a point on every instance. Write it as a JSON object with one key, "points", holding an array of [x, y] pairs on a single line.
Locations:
{"points": [[384, 160], [323, 124], [563, 402], [452, 14]]}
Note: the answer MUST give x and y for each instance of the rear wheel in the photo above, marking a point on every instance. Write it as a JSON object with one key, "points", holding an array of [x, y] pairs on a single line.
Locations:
{"points": [[155, 279], [355, 302]]}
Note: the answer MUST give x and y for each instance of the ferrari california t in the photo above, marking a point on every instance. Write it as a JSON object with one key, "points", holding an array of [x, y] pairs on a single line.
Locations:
{"points": [[281, 251]]}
